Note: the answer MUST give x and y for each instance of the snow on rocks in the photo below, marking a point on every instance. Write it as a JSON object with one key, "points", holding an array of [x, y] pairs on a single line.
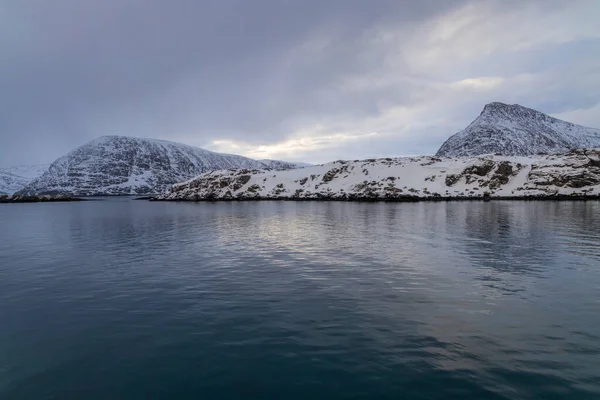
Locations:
{"points": [[576, 173]]}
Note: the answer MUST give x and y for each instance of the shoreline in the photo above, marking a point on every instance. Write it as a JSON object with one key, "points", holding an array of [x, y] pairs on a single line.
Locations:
{"points": [[351, 199], [595, 197], [19, 199]]}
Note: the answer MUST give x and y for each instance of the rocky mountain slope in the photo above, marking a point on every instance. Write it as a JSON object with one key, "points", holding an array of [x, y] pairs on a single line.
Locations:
{"points": [[514, 130], [403, 179], [118, 165]]}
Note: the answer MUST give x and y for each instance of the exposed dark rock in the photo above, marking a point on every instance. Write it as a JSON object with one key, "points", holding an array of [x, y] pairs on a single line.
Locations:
{"points": [[502, 175], [579, 180], [479, 169], [504, 169], [254, 188], [329, 175], [241, 181], [451, 179]]}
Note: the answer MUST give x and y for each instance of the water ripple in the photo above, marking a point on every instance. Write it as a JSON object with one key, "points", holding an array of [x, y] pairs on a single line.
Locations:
{"points": [[123, 299]]}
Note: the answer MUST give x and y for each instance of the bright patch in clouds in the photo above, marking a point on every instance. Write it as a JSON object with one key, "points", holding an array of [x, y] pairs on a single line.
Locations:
{"points": [[289, 149], [481, 84]]}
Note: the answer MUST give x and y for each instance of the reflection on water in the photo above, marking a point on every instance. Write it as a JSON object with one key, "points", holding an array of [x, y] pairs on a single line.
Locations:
{"points": [[126, 299]]}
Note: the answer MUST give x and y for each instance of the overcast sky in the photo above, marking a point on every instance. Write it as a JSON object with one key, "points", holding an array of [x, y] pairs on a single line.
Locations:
{"points": [[302, 80]]}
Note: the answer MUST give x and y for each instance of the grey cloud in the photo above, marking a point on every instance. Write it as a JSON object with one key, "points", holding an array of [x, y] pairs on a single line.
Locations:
{"points": [[70, 69], [197, 71]]}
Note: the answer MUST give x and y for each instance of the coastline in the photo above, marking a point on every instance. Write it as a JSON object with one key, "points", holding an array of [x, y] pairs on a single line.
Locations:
{"points": [[594, 197], [15, 199]]}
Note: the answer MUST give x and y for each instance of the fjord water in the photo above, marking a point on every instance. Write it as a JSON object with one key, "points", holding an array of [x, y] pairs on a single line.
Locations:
{"points": [[124, 299]]}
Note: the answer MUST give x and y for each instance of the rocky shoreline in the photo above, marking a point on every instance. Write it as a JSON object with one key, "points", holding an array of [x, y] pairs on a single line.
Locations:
{"points": [[19, 198], [407, 199], [571, 176]]}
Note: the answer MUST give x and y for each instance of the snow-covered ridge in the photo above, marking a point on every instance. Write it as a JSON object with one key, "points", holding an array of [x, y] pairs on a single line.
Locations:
{"points": [[119, 165], [282, 165], [10, 183], [518, 131], [27, 171], [15, 178], [410, 178]]}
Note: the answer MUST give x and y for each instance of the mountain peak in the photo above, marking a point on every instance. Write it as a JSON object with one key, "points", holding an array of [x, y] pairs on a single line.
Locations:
{"points": [[508, 109], [516, 130], [496, 105], [122, 138]]}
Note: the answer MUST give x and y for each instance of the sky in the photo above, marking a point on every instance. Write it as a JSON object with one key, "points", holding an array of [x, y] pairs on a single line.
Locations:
{"points": [[300, 80]]}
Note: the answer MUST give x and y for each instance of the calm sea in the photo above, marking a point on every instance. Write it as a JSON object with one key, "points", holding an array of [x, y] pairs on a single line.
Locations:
{"points": [[124, 299]]}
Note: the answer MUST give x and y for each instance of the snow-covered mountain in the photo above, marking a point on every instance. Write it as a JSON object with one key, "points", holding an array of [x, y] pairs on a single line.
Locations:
{"points": [[119, 165], [575, 174], [514, 130], [15, 178]]}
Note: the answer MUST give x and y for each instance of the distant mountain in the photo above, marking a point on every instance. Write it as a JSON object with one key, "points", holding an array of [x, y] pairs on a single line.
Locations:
{"points": [[514, 130], [13, 179], [119, 165], [27, 171], [10, 183], [283, 165]]}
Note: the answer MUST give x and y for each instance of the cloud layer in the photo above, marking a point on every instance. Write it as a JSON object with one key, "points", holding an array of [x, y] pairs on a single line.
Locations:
{"points": [[300, 80]]}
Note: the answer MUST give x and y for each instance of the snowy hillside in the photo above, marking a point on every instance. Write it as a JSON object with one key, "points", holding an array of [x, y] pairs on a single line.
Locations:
{"points": [[27, 171], [118, 165], [575, 173], [514, 130], [10, 183], [15, 178]]}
